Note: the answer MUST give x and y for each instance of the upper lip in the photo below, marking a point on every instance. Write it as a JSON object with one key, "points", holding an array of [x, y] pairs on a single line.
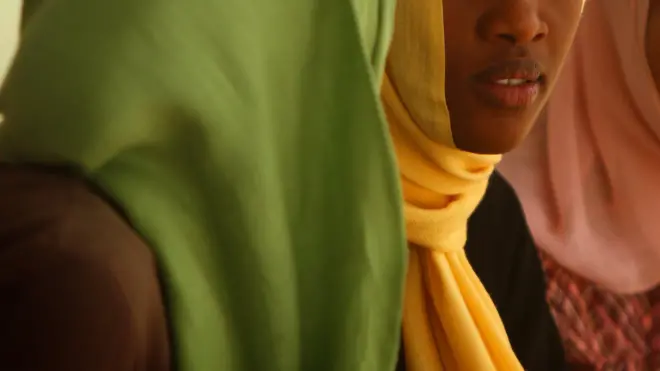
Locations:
{"points": [[525, 69]]}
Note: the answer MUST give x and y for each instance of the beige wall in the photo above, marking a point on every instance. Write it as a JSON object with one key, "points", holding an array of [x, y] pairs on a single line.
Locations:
{"points": [[9, 17]]}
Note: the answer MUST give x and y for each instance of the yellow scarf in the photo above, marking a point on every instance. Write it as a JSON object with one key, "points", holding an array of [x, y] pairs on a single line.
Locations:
{"points": [[449, 321]]}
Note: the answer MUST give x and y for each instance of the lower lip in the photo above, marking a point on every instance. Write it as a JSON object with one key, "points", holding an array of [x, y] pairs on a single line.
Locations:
{"points": [[510, 96]]}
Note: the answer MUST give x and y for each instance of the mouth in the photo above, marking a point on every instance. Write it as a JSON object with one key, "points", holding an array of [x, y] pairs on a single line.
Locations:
{"points": [[513, 84]]}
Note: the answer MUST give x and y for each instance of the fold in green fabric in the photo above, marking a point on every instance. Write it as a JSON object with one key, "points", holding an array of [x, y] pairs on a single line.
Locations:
{"points": [[245, 141]]}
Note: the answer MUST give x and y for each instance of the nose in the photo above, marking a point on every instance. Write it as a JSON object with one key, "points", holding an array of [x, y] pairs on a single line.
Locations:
{"points": [[516, 22]]}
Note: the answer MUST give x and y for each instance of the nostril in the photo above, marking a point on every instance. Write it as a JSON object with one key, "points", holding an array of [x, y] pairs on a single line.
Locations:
{"points": [[508, 38], [539, 36], [513, 39]]}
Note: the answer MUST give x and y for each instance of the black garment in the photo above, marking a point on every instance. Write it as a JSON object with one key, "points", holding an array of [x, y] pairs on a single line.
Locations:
{"points": [[79, 290], [502, 253]]}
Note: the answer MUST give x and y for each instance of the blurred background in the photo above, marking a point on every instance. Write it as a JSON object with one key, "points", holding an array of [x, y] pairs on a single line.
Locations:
{"points": [[9, 17]]}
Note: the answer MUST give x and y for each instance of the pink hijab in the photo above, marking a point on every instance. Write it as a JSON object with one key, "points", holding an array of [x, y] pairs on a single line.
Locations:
{"points": [[589, 174]]}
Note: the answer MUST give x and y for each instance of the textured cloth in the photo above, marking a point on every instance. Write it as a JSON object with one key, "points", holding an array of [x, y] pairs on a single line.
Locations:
{"points": [[602, 330], [588, 175], [503, 255], [245, 142], [449, 321]]}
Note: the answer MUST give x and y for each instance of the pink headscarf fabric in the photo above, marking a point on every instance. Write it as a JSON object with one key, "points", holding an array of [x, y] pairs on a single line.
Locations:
{"points": [[589, 174]]}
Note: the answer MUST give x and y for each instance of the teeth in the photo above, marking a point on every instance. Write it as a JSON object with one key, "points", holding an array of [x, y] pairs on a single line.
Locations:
{"points": [[511, 82]]}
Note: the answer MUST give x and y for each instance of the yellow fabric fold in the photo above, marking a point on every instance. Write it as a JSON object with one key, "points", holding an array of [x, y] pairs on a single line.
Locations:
{"points": [[449, 321]]}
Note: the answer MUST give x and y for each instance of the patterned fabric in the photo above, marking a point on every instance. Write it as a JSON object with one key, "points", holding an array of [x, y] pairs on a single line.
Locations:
{"points": [[603, 331]]}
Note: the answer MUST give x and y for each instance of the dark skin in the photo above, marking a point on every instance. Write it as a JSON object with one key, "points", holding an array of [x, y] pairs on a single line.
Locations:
{"points": [[483, 33], [653, 40]]}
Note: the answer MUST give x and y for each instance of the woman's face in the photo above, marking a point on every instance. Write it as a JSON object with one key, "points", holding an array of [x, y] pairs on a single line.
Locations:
{"points": [[503, 57]]}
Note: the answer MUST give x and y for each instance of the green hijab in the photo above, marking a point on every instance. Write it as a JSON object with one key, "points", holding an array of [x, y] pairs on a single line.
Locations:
{"points": [[244, 140]]}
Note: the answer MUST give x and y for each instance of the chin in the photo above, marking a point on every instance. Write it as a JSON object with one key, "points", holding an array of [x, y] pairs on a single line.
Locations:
{"points": [[487, 149], [490, 144], [490, 133]]}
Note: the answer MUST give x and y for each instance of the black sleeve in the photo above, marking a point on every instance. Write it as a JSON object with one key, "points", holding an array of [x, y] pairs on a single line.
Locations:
{"points": [[62, 313], [502, 253]]}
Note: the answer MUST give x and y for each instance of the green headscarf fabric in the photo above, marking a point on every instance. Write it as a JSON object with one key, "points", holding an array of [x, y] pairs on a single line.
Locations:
{"points": [[244, 140]]}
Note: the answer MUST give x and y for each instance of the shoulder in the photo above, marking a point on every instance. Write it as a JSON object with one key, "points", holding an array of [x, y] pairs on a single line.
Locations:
{"points": [[497, 229], [78, 286], [51, 219], [500, 246], [502, 252]]}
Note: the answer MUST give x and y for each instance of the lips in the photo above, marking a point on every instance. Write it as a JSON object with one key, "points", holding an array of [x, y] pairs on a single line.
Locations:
{"points": [[513, 84]]}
